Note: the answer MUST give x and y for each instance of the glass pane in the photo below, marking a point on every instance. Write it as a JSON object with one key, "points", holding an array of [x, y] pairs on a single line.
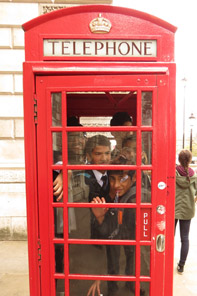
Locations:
{"points": [[102, 147], [56, 102], [117, 223], [103, 105], [146, 148], [57, 148], [129, 148], [144, 288], [60, 286], [146, 186], [106, 260], [59, 258], [145, 260], [79, 223], [110, 288], [147, 108], [76, 147], [58, 222], [78, 190], [114, 185]]}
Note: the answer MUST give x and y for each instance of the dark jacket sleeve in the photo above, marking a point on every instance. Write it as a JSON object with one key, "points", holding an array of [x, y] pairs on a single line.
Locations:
{"points": [[109, 225]]}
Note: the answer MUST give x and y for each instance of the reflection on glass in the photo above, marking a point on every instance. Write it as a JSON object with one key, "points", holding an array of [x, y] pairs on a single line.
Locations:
{"points": [[60, 287], [145, 288], [101, 148], [83, 224], [146, 186], [84, 185], [125, 100], [129, 148], [146, 148], [57, 147], [119, 288], [147, 108], [76, 145], [145, 260], [56, 109], [58, 222], [106, 260], [79, 223], [78, 189], [59, 258]]}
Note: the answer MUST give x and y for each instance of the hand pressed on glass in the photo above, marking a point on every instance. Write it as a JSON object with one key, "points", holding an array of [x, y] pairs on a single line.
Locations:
{"points": [[99, 213]]}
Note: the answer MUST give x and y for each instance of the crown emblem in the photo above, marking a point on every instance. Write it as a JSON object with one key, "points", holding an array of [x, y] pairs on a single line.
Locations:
{"points": [[100, 25]]}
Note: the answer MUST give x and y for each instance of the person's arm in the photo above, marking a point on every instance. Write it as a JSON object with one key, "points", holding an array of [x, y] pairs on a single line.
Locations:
{"points": [[58, 185]]}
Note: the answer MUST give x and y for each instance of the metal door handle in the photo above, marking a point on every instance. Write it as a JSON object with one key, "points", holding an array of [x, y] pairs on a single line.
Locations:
{"points": [[160, 243]]}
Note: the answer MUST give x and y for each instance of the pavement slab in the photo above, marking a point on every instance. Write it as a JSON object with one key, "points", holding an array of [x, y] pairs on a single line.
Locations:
{"points": [[14, 279]]}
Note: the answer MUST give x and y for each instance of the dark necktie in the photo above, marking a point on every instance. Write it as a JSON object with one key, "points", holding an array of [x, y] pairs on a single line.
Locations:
{"points": [[104, 179]]}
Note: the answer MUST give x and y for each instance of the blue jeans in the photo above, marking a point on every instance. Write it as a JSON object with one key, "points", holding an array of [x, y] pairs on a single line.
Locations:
{"points": [[184, 234]]}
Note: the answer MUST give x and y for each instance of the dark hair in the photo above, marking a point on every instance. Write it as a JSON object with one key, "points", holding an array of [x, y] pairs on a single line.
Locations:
{"points": [[120, 161], [185, 158], [131, 138], [98, 140], [74, 121], [120, 118]]}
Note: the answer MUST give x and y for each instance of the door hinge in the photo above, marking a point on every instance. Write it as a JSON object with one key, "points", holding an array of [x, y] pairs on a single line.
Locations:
{"points": [[39, 252], [35, 109]]}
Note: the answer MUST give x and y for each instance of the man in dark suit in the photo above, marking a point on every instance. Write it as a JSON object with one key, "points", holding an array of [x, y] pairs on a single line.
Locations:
{"points": [[98, 151]]}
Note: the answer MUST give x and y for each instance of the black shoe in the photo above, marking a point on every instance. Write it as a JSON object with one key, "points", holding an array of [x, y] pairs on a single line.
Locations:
{"points": [[180, 269]]}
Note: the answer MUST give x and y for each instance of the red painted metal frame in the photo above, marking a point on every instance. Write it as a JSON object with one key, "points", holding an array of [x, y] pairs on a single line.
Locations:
{"points": [[32, 183], [30, 132], [76, 21], [98, 8], [142, 26], [162, 80]]}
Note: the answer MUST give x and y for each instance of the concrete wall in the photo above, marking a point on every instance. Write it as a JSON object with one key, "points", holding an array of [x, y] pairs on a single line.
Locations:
{"points": [[12, 168]]}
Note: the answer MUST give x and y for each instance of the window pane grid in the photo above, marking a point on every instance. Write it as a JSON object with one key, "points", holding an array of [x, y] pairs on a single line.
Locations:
{"points": [[66, 205]]}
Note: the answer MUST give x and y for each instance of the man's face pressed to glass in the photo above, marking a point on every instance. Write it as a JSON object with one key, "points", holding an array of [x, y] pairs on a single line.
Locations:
{"points": [[120, 183]]}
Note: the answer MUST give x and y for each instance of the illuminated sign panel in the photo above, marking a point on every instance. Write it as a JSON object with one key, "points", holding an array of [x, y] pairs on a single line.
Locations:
{"points": [[99, 48]]}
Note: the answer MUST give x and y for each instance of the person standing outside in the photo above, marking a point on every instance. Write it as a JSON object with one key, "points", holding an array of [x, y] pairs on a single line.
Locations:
{"points": [[186, 189]]}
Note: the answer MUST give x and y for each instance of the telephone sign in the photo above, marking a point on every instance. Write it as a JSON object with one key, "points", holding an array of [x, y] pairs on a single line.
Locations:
{"points": [[100, 48]]}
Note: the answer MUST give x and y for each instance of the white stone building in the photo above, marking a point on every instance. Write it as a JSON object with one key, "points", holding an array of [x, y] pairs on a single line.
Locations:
{"points": [[13, 14]]}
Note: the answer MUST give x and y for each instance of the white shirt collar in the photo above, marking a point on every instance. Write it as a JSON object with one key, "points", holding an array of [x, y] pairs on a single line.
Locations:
{"points": [[98, 176]]}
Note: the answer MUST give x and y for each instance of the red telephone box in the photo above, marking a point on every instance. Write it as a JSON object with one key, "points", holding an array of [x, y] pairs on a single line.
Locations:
{"points": [[91, 62]]}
